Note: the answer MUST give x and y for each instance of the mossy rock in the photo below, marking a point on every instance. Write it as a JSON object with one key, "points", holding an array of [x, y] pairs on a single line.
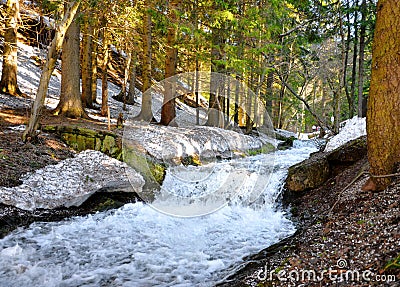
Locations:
{"points": [[70, 139], [98, 144], [81, 142], [108, 144], [87, 132], [90, 143], [266, 148], [152, 171], [191, 160], [308, 174]]}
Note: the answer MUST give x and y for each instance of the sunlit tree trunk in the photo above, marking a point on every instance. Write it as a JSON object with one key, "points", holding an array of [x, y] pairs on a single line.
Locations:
{"points": [[131, 97], [269, 92], [168, 112], [70, 103], [8, 83], [146, 112], [383, 114], [48, 68], [214, 106], [104, 73]]}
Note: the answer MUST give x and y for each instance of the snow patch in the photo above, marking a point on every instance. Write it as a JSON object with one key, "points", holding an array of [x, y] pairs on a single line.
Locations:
{"points": [[285, 133], [354, 128], [165, 142], [70, 182]]}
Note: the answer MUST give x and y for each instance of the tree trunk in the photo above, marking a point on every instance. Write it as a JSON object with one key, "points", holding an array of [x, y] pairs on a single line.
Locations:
{"points": [[94, 66], [269, 92], [216, 67], [87, 70], [355, 55], [104, 74], [8, 83], [146, 113], [361, 59], [349, 96], [131, 98], [168, 112], [70, 103], [383, 114], [52, 56]]}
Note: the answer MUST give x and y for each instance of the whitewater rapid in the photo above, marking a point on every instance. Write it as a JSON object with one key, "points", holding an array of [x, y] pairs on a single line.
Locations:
{"points": [[138, 246]]}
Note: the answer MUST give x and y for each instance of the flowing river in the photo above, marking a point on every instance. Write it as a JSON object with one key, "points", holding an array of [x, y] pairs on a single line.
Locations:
{"points": [[137, 246]]}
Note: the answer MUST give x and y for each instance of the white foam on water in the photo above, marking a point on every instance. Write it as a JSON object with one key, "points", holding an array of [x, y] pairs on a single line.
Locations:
{"points": [[138, 246]]}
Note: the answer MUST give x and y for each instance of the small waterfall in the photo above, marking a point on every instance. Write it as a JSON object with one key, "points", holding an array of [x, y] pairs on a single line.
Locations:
{"points": [[138, 246]]}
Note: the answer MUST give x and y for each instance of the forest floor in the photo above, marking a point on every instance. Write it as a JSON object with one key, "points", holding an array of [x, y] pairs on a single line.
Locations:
{"points": [[346, 237], [18, 158]]}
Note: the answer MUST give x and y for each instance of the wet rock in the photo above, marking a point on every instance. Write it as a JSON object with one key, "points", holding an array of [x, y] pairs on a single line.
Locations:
{"points": [[308, 174], [348, 153], [286, 138], [313, 172]]}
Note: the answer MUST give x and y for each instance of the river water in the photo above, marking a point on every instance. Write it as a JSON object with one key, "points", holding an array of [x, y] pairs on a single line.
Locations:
{"points": [[138, 246]]}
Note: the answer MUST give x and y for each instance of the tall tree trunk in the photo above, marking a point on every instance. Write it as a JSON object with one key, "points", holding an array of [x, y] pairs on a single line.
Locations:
{"points": [[383, 114], [70, 103], [216, 67], [48, 68], [131, 98], [8, 83], [95, 38], [269, 92], [349, 96], [361, 59], [196, 87], [355, 56], [146, 112], [168, 112], [248, 101], [87, 70], [104, 74]]}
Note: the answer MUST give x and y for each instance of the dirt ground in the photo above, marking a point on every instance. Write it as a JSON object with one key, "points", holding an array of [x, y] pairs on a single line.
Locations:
{"points": [[18, 158]]}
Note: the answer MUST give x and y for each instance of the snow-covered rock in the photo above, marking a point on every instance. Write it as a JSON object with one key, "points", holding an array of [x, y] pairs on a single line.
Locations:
{"points": [[166, 143], [70, 182], [354, 128], [285, 133]]}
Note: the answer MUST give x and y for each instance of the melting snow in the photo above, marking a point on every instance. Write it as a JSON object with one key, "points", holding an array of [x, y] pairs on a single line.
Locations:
{"points": [[69, 183], [354, 128]]}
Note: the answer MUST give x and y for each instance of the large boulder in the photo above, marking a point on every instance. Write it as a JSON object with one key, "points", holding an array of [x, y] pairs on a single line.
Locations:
{"points": [[308, 174], [314, 171], [349, 153]]}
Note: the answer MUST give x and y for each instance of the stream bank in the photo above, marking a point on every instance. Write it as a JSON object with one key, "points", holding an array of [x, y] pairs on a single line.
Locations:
{"points": [[337, 224]]}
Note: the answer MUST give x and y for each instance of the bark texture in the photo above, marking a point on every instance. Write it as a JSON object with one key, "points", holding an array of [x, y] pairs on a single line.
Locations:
{"points": [[70, 103], [8, 83], [146, 113], [383, 114], [87, 70], [168, 109]]}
